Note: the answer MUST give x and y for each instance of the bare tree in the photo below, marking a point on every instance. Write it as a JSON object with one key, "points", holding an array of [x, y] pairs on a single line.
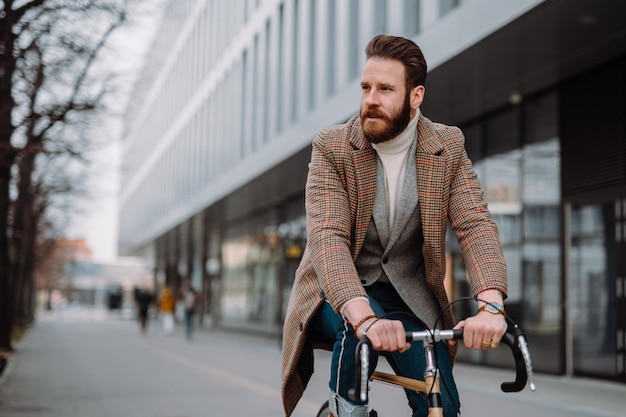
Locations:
{"points": [[52, 89]]}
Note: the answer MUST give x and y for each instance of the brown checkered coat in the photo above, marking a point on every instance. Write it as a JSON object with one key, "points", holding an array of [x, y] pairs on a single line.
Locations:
{"points": [[339, 202]]}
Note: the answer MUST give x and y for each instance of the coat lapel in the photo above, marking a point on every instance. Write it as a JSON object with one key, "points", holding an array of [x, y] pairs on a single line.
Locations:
{"points": [[381, 208], [364, 174], [430, 179]]}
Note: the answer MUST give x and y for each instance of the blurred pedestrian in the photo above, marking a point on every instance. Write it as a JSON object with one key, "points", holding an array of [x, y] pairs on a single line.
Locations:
{"points": [[167, 303], [143, 300], [189, 297]]}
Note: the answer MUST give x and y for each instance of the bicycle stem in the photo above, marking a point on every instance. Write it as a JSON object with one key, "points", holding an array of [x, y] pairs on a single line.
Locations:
{"points": [[431, 378]]}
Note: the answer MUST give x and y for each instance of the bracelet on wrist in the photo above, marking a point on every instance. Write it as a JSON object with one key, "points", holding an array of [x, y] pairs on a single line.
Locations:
{"points": [[362, 322]]}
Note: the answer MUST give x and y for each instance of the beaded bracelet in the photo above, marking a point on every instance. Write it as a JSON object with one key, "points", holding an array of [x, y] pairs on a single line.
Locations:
{"points": [[361, 322]]}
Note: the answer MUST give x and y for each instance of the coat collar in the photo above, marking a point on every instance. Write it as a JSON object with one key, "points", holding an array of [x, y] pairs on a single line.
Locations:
{"points": [[427, 139], [357, 140]]}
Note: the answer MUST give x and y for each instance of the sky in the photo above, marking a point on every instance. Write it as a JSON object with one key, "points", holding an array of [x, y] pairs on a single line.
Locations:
{"points": [[96, 218]]}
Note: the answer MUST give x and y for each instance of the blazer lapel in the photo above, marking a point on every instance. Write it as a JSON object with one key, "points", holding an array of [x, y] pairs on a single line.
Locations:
{"points": [[408, 199]]}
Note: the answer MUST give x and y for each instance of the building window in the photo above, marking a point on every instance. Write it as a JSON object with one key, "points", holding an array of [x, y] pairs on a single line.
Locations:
{"points": [[593, 265], [294, 61], [266, 80], [331, 48], [517, 158], [446, 6], [411, 17], [312, 36], [503, 132], [255, 94], [353, 47], [279, 78], [244, 112], [380, 16]]}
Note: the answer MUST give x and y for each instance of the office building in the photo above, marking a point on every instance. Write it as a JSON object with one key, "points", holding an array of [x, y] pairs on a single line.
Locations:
{"points": [[217, 144]]}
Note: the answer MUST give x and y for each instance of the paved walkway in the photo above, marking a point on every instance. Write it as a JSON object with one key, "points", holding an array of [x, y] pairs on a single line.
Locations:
{"points": [[90, 364]]}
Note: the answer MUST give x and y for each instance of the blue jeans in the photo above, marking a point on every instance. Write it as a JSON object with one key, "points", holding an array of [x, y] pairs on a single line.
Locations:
{"points": [[384, 299]]}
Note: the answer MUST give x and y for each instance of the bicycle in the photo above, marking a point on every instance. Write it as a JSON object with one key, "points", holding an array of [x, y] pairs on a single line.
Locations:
{"points": [[514, 338]]}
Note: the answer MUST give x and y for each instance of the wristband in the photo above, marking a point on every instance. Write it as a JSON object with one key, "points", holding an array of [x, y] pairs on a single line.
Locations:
{"points": [[361, 322]]}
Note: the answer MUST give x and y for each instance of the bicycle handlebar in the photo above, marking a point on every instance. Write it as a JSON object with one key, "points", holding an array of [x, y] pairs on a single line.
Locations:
{"points": [[514, 338]]}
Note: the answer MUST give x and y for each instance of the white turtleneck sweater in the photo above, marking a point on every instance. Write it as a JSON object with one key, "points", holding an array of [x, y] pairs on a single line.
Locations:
{"points": [[393, 156]]}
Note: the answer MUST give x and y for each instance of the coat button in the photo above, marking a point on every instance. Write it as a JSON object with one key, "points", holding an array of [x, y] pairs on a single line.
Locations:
{"points": [[385, 260], [363, 281], [322, 295], [301, 326]]}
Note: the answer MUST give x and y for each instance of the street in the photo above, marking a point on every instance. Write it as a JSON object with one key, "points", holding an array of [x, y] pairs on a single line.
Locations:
{"points": [[88, 363]]}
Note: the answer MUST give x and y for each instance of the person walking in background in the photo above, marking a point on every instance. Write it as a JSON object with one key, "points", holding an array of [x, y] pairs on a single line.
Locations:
{"points": [[167, 303], [189, 297], [382, 189], [143, 300]]}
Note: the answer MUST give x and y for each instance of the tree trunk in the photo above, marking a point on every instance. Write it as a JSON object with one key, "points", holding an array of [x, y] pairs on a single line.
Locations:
{"points": [[6, 283], [7, 157], [24, 231]]}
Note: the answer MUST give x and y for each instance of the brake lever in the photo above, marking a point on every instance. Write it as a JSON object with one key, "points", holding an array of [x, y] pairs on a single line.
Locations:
{"points": [[523, 346], [362, 364]]}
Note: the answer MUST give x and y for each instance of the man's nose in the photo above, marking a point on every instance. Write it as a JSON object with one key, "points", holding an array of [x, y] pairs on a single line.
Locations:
{"points": [[371, 99]]}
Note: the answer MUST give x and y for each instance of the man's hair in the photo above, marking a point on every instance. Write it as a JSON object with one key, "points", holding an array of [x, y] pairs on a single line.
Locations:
{"points": [[403, 50]]}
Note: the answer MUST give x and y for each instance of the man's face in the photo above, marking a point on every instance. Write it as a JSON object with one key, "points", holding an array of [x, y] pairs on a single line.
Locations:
{"points": [[385, 104]]}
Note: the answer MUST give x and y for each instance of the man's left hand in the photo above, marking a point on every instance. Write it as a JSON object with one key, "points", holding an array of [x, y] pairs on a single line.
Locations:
{"points": [[486, 329], [483, 331]]}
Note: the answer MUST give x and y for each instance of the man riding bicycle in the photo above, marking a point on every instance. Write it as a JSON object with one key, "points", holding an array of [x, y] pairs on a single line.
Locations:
{"points": [[381, 191]]}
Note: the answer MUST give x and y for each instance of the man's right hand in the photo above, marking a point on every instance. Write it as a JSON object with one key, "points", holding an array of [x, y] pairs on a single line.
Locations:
{"points": [[388, 335], [385, 335]]}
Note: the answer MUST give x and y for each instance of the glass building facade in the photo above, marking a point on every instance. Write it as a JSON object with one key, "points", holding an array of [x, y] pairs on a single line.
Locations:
{"points": [[218, 140]]}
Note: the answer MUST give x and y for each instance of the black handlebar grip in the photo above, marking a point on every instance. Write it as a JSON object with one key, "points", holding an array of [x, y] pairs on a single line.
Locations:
{"points": [[520, 367], [457, 334]]}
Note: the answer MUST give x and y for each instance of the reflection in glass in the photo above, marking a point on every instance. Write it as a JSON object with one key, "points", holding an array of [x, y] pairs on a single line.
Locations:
{"points": [[249, 293], [593, 314], [522, 189]]}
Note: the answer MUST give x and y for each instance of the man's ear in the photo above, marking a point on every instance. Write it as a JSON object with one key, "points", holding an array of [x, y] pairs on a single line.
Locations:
{"points": [[417, 96]]}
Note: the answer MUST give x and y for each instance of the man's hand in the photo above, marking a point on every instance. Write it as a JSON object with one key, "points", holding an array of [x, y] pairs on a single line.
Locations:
{"points": [[385, 335], [388, 335], [484, 330]]}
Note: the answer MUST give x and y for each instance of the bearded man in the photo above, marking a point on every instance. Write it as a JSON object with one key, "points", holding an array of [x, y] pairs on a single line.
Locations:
{"points": [[381, 191]]}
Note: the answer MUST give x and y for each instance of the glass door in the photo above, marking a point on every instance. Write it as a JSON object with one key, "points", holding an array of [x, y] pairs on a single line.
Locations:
{"points": [[591, 286]]}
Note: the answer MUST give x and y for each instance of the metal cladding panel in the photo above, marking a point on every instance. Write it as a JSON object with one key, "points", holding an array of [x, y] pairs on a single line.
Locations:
{"points": [[593, 131]]}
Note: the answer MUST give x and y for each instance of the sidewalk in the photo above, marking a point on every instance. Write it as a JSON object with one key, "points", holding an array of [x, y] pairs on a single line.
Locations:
{"points": [[91, 366]]}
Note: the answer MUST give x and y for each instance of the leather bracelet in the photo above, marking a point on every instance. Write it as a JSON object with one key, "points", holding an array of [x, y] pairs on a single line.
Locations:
{"points": [[362, 321]]}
